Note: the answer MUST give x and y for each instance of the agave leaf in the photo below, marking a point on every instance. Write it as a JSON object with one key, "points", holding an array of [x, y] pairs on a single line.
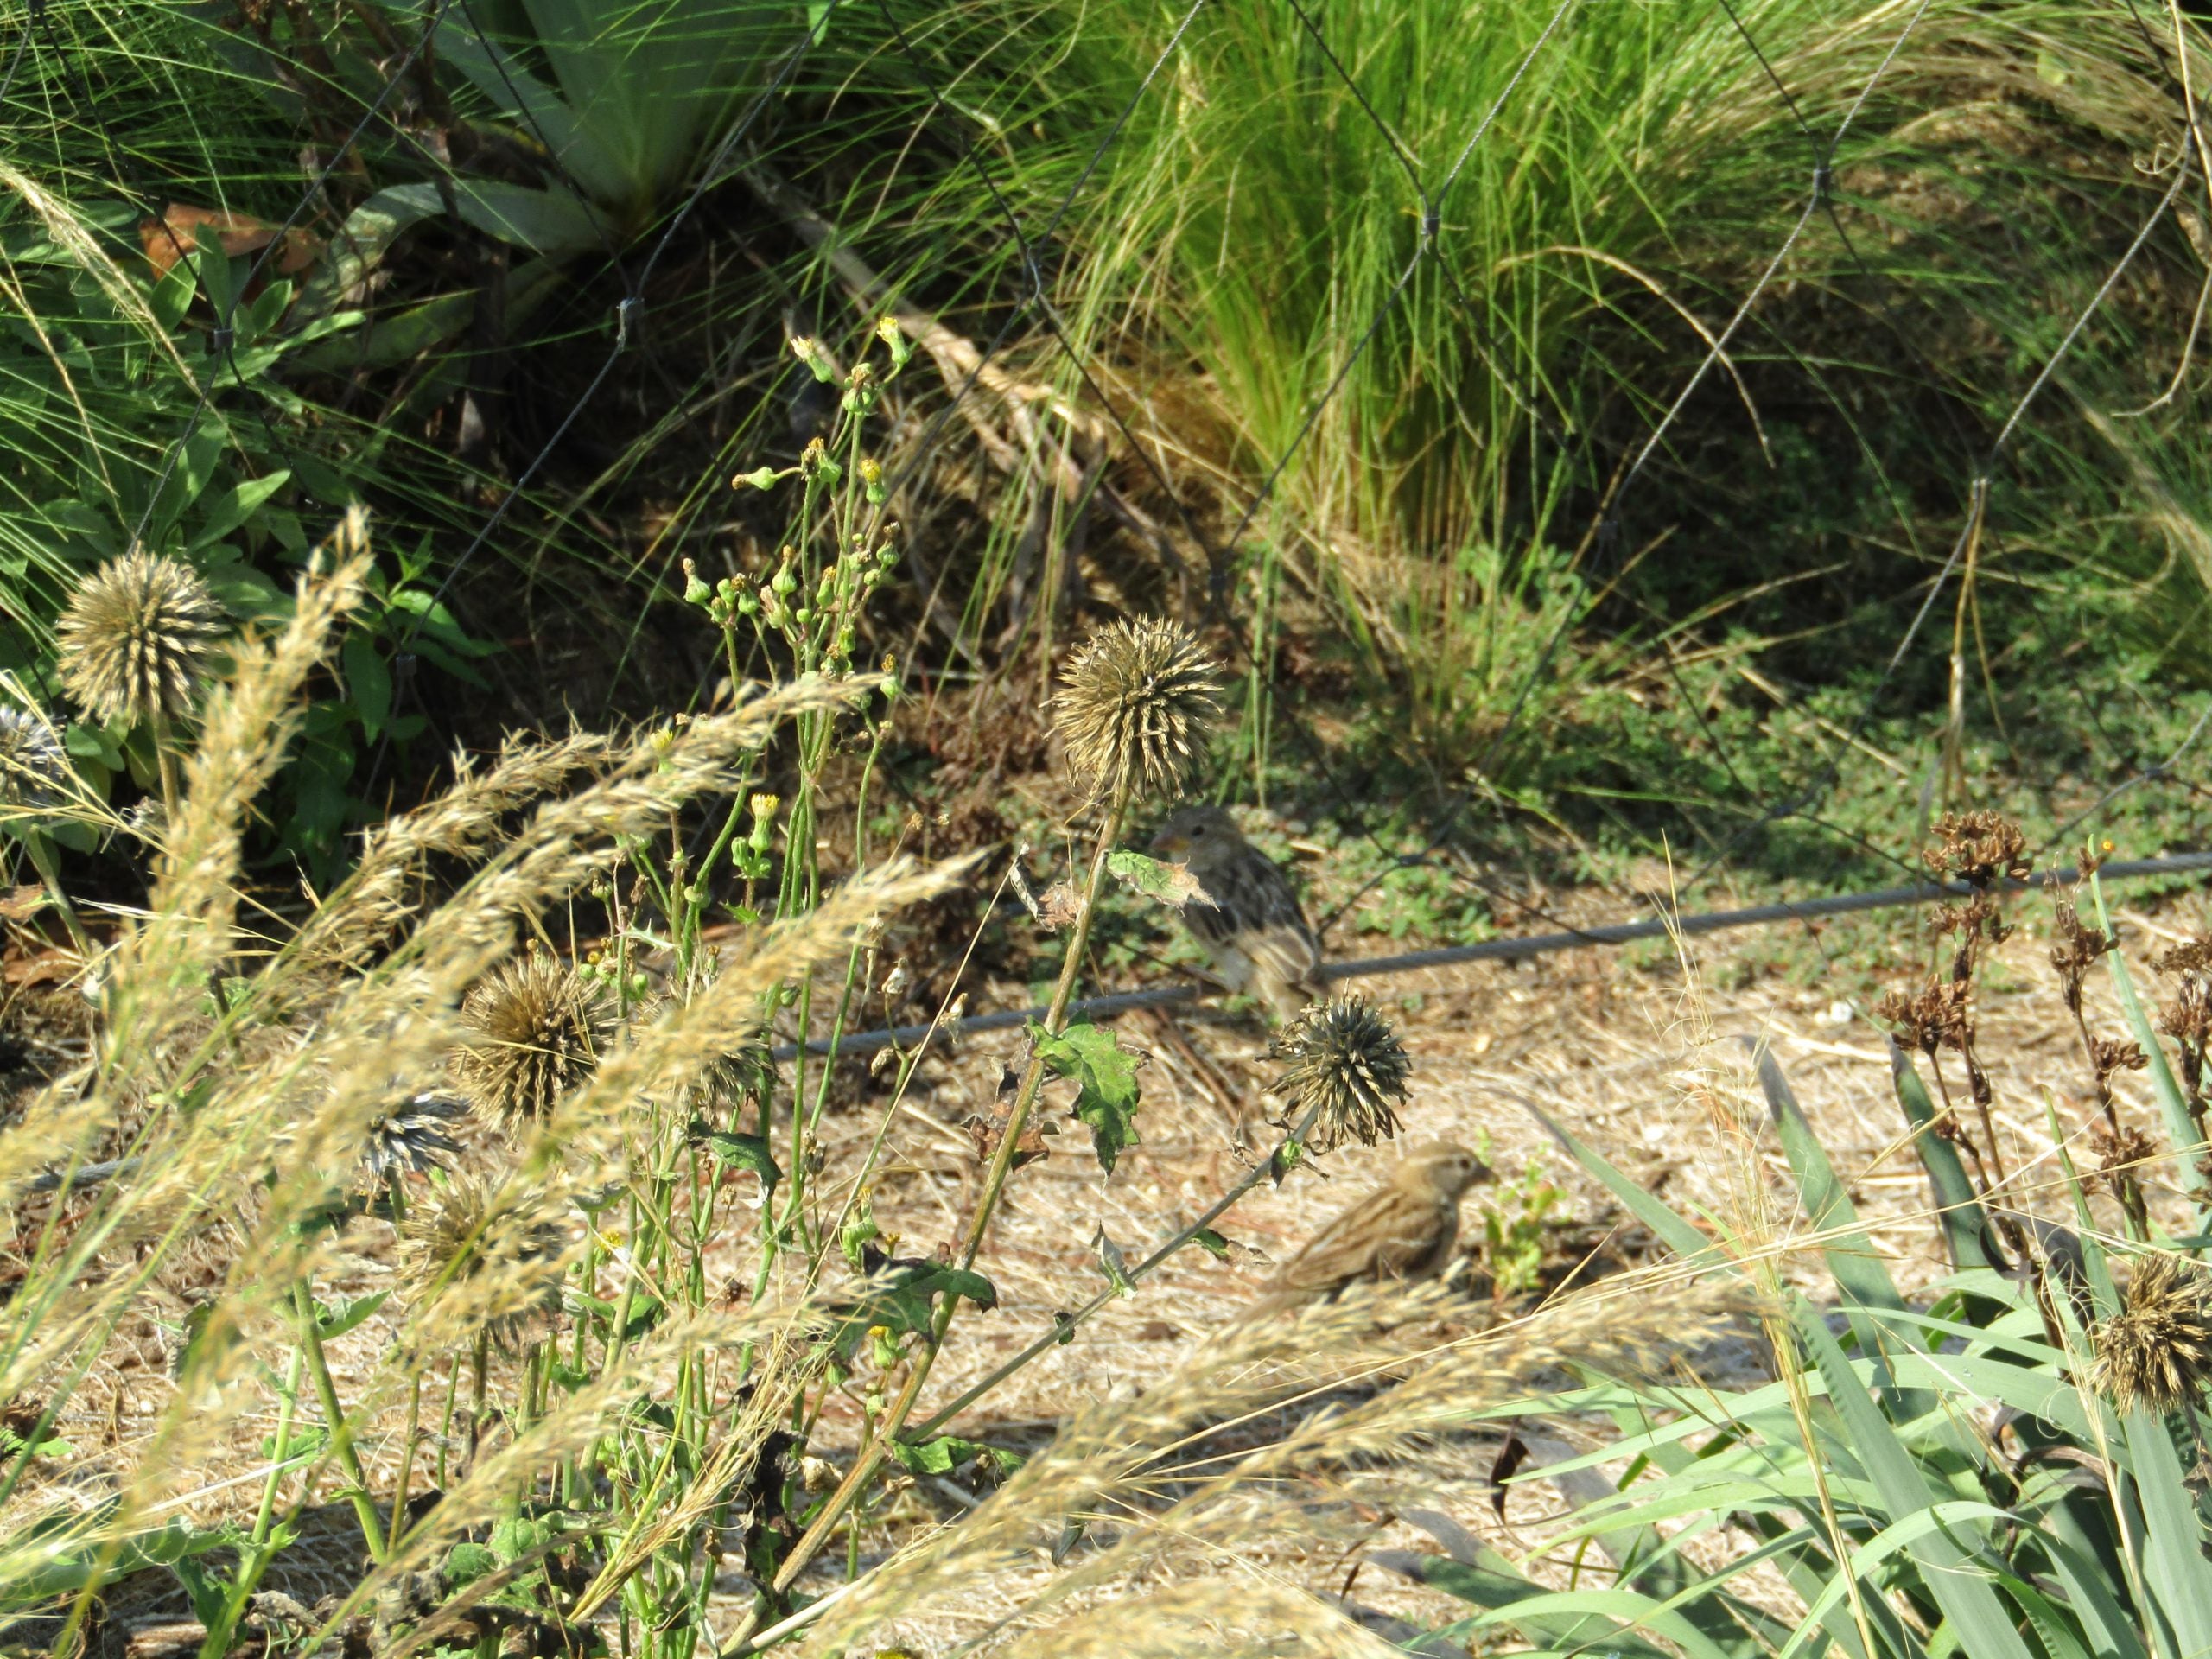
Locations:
{"points": [[2181, 1131], [1965, 1224], [1491, 1582], [1953, 1574], [1850, 1254], [535, 107], [1672, 1229], [2175, 1573], [1867, 1560]]}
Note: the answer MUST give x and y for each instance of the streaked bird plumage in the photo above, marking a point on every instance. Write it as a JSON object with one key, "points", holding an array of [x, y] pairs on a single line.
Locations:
{"points": [[1248, 917], [1403, 1231]]}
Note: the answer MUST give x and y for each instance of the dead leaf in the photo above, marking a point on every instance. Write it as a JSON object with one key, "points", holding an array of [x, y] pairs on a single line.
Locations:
{"points": [[1058, 905], [21, 904], [176, 233], [46, 967], [1510, 1457]]}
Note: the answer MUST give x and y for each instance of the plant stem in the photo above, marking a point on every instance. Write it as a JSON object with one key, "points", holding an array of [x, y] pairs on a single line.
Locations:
{"points": [[341, 1434], [41, 856], [406, 1454], [1059, 1332], [818, 1531]]}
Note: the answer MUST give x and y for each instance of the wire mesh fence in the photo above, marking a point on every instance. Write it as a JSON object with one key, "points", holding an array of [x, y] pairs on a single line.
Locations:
{"points": [[48, 78]]}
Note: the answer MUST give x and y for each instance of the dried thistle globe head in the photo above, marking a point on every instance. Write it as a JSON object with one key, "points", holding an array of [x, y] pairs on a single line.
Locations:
{"points": [[537, 1029], [137, 638], [1137, 704], [411, 1134], [2157, 1351], [482, 1263], [34, 768], [1347, 1066]]}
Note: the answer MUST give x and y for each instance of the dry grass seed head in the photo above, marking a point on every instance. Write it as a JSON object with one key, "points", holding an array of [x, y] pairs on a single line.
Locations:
{"points": [[1345, 1065], [137, 638], [538, 1030], [474, 1259], [1136, 705], [2155, 1353], [1979, 848]]}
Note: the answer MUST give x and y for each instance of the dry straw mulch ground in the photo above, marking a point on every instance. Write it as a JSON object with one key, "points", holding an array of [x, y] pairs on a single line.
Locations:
{"points": [[1645, 1057]]}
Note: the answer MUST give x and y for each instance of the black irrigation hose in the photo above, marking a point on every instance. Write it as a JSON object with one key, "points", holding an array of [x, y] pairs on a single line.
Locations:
{"points": [[1513, 950], [1534, 944]]}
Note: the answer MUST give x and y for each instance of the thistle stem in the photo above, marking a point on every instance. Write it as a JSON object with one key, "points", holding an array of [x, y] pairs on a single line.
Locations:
{"points": [[341, 1434], [819, 1531]]}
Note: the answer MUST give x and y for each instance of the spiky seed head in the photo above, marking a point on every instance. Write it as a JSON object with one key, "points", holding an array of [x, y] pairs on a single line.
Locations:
{"points": [[495, 1265], [2157, 1351], [1136, 702], [137, 638], [538, 1028], [1347, 1066], [411, 1134], [34, 768]]}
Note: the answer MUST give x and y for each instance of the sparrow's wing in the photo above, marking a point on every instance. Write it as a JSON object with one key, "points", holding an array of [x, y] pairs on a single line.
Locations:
{"points": [[1271, 927], [1384, 1235]]}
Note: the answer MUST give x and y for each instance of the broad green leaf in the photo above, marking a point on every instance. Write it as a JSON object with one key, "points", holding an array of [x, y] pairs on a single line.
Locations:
{"points": [[1105, 1076], [368, 681], [1954, 1575], [1673, 1229], [1171, 884], [1965, 1223], [1849, 1252], [2182, 1135], [228, 509], [2175, 1571], [946, 1452], [332, 1322], [744, 1152]]}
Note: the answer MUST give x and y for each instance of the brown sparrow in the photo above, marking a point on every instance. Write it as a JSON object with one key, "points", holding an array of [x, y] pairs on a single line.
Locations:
{"points": [[1247, 916], [1401, 1232]]}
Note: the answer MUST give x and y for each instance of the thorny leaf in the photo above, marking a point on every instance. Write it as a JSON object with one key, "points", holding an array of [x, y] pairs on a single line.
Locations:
{"points": [[743, 1152], [1172, 885], [946, 1452], [1112, 1262], [1105, 1076]]}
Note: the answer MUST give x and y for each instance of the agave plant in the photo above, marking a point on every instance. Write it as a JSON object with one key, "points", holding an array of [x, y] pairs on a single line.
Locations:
{"points": [[1952, 1477]]}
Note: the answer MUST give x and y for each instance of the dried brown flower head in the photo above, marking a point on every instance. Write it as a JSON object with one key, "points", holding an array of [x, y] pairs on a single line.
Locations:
{"points": [[495, 1265], [1136, 702], [1346, 1065], [136, 638], [34, 768], [2155, 1353], [1978, 849], [2112, 1055], [2075, 951], [2121, 1153], [2190, 956], [539, 1029], [1929, 1020]]}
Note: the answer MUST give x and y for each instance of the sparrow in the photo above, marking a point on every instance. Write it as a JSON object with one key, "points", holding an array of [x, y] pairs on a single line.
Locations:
{"points": [[1246, 915], [1403, 1231]]}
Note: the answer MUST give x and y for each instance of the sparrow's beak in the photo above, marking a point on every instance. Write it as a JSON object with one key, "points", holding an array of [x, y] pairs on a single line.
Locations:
{"points": [[1170, 846]]}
